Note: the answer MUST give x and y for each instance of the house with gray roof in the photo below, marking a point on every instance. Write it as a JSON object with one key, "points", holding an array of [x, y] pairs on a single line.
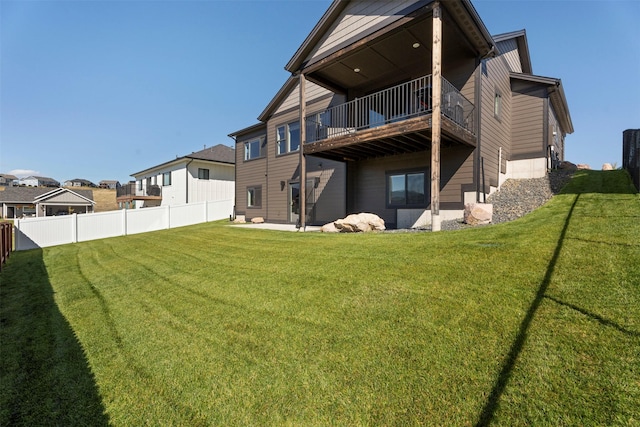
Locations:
{"points": [[39, 181], [20, 202], [8, 180], [205, 175]]}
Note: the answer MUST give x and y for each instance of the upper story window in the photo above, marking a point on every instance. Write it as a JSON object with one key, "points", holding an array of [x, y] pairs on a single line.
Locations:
{"points": [[288, 138], [497, 105], [140, 185], [203, 173], [166, 178], [254, 148]]}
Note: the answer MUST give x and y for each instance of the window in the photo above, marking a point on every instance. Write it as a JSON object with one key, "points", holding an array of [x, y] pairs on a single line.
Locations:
{"points": [[203, 173], [497, 105], [166, 178], [288, 138], [254, 148], [254, 197], [140, 185], [406, 189]]}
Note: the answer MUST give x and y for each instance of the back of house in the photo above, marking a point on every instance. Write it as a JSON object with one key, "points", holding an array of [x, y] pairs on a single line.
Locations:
{"points": [[405, 109]]}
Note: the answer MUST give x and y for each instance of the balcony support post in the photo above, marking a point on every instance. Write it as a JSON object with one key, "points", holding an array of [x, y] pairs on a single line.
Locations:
{"points": [[302, 214], [436, 124]]}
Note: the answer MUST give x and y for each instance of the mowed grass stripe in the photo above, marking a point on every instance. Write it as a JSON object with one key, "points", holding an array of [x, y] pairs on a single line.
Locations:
{"points": [[526, 323]]}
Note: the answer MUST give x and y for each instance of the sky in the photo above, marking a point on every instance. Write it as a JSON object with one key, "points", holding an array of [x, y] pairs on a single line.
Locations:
{"points": [[101, 89]]}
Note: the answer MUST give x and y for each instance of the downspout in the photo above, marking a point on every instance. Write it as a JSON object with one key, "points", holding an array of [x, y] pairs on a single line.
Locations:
{"points": [[478, 114]]}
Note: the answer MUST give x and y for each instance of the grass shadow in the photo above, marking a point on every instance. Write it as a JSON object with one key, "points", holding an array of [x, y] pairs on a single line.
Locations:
{"points": [[491, 404], [45, 376]]}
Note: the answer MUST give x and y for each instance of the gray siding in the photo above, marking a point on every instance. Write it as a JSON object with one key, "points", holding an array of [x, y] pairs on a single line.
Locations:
{"points": [[359, 19], [368, 188], [509, 51], [249, 173], [495, 131], [285, 168], [528, 130]]}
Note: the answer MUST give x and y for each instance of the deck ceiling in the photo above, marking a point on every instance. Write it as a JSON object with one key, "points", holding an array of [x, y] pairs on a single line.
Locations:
{"points": [[410, 136], [390, 57]]}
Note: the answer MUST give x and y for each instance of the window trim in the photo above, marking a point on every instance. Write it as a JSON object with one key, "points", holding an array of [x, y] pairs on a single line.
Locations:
{"points": [[406, 172], [254, 187], [261, 148], [166, 175], [201, 171], [287, 138]]}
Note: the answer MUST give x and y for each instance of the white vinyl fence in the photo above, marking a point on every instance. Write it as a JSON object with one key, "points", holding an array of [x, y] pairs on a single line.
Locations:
{"points": [[31, 233]]}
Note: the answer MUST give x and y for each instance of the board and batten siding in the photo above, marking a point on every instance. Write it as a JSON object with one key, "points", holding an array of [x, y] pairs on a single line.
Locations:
{"points": [[219, 186], [249, 173], [495, 132], [359, 19], [527, 131]]}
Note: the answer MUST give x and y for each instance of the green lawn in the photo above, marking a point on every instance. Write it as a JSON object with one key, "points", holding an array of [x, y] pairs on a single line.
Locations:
{"points": [[535, 322]]}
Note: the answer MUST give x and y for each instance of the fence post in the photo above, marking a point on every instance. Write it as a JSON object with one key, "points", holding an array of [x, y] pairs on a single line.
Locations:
{"points": [[74, 228], [206, 211], [168, 217], [124, 221]]}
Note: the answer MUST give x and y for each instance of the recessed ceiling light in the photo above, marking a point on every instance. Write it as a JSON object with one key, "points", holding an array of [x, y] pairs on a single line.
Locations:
{"points": [[416, 45], [357, 70]]}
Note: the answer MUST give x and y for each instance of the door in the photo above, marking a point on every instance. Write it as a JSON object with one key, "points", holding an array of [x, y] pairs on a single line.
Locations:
{"points": [[294, 202]]}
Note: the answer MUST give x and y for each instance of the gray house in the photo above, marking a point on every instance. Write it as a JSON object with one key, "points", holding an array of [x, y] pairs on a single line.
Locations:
{"points": [[406, 109], [19, 202]]}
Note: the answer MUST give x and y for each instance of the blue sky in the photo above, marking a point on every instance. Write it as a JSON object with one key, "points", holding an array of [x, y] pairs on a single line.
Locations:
{"points": [[102, 89]]}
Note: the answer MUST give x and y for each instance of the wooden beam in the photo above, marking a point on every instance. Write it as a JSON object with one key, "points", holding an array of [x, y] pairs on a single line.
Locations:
{"points": [[436, 130], [302, 214]]}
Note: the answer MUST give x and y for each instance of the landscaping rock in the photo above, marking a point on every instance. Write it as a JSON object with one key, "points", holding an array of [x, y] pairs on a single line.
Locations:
{"points": [[607, 167], [329, 228], [257, 220], [362, 222], [478, 213], [583, 166]]}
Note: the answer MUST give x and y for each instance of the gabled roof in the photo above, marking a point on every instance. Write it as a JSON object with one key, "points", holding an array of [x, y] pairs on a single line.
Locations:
{"points": [[7, 176], [86, 195], [216, 154], [461, 10], [520, 37], [556, 95], [29, 195]]}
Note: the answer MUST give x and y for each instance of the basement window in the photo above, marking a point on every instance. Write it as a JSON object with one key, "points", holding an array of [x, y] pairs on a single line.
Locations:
{"points": [[406, 189]]}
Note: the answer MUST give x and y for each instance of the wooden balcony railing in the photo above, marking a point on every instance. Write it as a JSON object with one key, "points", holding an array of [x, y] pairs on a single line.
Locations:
{"points": [[394, 104]]}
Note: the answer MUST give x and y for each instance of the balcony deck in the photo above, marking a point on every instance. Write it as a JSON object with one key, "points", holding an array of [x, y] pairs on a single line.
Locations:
{"points": [[128, 194], [393, 121]]}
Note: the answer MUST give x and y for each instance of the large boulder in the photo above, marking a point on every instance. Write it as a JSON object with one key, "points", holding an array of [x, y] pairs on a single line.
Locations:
{"points": [[584, 166], [355, 223], [257, 220], [478, 213], [607, 167]]}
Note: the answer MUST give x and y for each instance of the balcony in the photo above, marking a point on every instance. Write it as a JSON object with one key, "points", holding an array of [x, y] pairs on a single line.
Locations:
{"points": [[129, 192], [392, 121]]}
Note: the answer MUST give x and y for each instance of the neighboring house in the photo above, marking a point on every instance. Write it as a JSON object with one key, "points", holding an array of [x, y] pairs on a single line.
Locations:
{"points": [[39, 181], [109, 184], [78, 182], [206, 175], [19, 202], [409, 110], [7, 180]]}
